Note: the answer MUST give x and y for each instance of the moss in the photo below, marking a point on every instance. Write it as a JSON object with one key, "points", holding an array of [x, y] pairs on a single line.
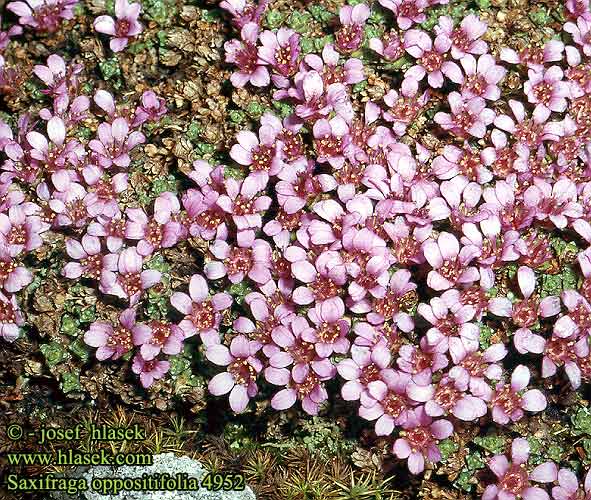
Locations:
{"points": [[194, 131], [110, 69], [447, 447], [69, 325], [239, 290], [237, 116], [486, 333], [494, 444], [162, 12], [53, 353], [274, 19], [255, 110], [581, 422], [70, 382], [300, 21], [320, 13]]}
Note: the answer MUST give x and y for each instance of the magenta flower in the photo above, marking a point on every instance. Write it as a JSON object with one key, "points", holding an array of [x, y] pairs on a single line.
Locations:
{"points": [[11, 318], [565, 351], [513, 480], [450, 265], [331, 71], [245, 56], [115, 341], [202, 312], [243, 367], [125, 27], [526, 132], [509, 400], [349, 36], [420, 361], [419, 440], [149, 371], [431, 60], [403, 108], [45, 15], [464, 40], [467, 163], [129, 281], [112, 229]]}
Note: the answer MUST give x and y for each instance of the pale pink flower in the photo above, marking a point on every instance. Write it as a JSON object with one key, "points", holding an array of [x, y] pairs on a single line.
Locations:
{"points": [[124, 27], [149, 371]]}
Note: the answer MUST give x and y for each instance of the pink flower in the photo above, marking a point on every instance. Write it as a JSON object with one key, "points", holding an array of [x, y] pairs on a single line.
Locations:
{"points": [[324, 278], [162, 337], [407, 12], [245, 55], [534, 57], [281, 51], [513, 480], [403, 108], [11, 318], [547, 90], [448, 397], [568, 487], [482, 77], [21, 228], [419, 441], [557, 202], [125, 27], [472, 366], [565, 351], [387, 401], [244, 11], [331, 71], [5, 36], [366, 365], [159, 231], [238, 262], [581, 33], [91, 262], [151, 109], [509, 401], [467, 163], [468, 117], [331, 138], [449, 324], [262, 154], [115, 142], [431, 60], [330, 334], [130, 281], [464, 40], [115, 341], [243, 368], [58, 77], [112, 229], [202, 312], [349, 36], [450, 265], [45, 15], [525, 313], [247, 207], [390, 47], [149, 371], [13, 277]]}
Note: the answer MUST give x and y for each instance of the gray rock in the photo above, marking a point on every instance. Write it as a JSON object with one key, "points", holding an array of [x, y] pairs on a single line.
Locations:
{"points": [[165, 463]]}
